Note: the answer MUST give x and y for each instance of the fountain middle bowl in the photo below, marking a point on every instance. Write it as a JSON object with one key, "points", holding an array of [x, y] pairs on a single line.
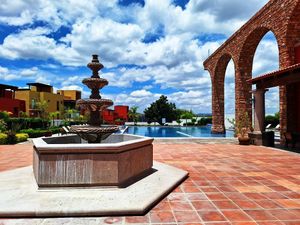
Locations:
{"points": [[93, 134], [98, 83], [94, 104]]}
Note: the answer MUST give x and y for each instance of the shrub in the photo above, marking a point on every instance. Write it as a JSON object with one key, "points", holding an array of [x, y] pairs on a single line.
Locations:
{"points": [[4, 115], [3, 126], [11, 137], [204, 121], [27, 123], [35, 133], [54, 130], [70, 123], [273, 120], [21, 137], [188, 124], [3, 138]]}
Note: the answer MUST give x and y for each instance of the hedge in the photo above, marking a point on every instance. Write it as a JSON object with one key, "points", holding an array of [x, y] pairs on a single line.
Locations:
{"points": [[204, 121], [34, 133], [12, 138], [21, 137], [26, 123], [3, 139]]}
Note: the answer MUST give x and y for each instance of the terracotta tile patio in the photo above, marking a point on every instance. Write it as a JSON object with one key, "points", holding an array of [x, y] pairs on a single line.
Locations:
{"points": [[228, 184]]}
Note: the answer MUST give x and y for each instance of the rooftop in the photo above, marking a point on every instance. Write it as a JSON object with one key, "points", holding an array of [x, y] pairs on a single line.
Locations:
{"points": [[5, 86], [275, 75], [228, 184], [39, 85]]}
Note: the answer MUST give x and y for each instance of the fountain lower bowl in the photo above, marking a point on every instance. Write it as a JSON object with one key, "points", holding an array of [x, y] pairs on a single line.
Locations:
{"points": [[65, 162]]}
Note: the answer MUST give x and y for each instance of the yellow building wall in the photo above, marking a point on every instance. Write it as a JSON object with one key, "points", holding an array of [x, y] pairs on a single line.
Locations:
{"points": [[26, 96], [69, 94], [53, 100]]}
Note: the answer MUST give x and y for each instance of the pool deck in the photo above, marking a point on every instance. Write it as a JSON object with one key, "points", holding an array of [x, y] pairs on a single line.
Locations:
{"points": [[228, 184]]}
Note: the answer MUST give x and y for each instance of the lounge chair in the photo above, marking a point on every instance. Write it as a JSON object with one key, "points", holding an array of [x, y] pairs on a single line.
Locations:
{"points": [[123, 129], [64, 130], [268, 126]]}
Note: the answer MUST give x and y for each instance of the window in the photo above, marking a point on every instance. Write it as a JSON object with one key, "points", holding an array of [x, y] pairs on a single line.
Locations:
{"points": [[57, 106], [32, 103]]}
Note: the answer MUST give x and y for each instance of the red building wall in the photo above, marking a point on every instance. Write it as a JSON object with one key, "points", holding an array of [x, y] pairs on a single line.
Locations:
{"points": [[108, 116], [12, 105], [122, 112], [119, 112], [7, 94]]}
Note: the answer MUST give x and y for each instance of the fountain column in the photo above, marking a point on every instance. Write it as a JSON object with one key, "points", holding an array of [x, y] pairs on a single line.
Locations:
{"points": [[94, 132]]}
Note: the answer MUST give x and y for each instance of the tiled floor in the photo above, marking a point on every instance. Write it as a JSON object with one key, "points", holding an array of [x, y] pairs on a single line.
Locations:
{"points": [[228, 184]]}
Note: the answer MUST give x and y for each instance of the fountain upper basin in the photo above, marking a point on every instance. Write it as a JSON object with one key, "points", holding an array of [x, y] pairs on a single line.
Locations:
{"points": [[65, 161]]}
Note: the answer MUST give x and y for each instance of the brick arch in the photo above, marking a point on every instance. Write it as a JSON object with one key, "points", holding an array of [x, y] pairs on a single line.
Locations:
{"points": [[218, 92], [245, 65], [280, 17], [293, 32]]}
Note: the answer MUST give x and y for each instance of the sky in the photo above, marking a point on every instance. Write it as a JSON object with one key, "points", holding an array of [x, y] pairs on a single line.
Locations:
{"points": [[148, 47]]}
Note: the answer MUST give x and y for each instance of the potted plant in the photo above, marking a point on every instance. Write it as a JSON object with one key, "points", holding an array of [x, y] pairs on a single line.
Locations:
{"points": [[243, 127]]}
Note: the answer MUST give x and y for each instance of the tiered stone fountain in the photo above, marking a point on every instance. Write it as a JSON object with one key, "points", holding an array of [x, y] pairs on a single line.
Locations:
{"points": [[62, 163], [106, 160], [94, 132]]}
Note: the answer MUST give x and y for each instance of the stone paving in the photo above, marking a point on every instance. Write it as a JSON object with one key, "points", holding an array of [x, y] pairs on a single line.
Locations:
{"points": [[228, 184]]}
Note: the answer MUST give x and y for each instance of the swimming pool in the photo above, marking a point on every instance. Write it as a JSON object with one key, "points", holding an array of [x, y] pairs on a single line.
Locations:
{"points": [[179, 132]]}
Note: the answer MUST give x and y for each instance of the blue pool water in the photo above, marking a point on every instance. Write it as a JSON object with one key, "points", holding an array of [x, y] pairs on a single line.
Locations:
{"points": [[155, 131]]}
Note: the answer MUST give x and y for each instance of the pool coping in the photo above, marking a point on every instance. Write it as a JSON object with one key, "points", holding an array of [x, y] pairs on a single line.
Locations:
{"points": [[198, 140]]}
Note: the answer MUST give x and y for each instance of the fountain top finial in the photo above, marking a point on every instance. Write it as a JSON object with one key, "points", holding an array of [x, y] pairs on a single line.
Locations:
{"points": [[95, 66]]}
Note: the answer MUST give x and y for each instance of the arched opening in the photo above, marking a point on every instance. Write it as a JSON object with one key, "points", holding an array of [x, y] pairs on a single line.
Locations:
{"points": [[229, 95], [266, 59], [244, 99], [218, 107]]}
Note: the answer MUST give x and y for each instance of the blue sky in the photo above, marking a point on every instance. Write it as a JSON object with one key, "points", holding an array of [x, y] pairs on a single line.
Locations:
{"points": [[148, 47]]}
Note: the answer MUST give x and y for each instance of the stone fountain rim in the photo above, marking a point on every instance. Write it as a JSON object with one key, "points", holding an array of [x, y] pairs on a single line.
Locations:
{"points": [[99, 80], [44, 147], [90, 129]]}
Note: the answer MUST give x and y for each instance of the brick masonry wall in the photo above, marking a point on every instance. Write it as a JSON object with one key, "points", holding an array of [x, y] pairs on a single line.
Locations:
{"points": [[282, 17]]}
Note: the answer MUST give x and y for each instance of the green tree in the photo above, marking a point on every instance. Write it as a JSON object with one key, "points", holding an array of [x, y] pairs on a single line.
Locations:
{"points": [[193, 121], [3, 126], [4, 115], [70, 113], [187, 115], [277, 116], [133, 114], [42, 106], [273, 120], [54, 115], [159, 109]]}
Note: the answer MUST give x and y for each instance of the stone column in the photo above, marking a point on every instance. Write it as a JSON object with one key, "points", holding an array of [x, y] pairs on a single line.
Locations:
{"points": [[259, 110]]}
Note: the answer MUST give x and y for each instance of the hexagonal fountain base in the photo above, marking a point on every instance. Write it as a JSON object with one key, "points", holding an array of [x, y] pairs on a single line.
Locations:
{"points": [[20, 196], [118, 161]]}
